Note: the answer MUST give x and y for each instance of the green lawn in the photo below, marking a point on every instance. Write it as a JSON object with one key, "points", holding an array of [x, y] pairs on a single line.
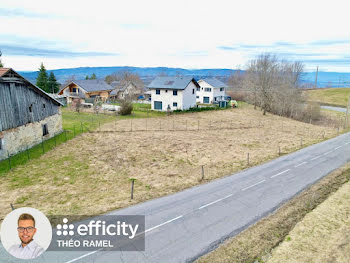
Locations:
{"points": [[332, 96]]}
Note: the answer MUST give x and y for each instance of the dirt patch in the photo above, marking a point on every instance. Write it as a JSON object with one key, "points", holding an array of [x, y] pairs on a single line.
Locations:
{"points": [[90, 174], [255, 243]]}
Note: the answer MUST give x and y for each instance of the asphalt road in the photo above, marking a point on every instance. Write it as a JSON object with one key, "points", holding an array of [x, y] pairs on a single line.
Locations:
{"points": [[185, 225], [340, 109]]}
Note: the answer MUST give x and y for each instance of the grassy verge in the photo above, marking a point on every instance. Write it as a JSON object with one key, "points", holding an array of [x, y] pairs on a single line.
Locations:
{"points": [[332, 96], [255, 243]]}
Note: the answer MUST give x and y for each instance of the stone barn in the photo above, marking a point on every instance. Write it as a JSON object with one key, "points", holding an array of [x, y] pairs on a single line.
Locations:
{"points": [[28, 115]]}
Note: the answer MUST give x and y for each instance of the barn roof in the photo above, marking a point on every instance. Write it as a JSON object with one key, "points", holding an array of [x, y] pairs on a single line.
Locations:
{"points": [[215, 82], [173, 82], [4, 71]]}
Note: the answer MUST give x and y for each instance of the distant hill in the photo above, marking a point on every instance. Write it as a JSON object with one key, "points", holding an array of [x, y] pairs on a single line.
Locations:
{"points": [[325, 79]]}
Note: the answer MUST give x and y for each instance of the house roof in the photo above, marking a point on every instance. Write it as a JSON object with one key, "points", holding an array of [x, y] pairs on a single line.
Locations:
{"points": [[173, 82], [215, 82], [91, 85], [4, 71]]}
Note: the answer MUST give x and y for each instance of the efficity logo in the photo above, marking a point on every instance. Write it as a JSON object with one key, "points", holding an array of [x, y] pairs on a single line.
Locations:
{"points": [[103, 232]]}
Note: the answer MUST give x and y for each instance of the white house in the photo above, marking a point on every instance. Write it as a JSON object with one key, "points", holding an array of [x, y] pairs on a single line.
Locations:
{"points": [[211, 91], [172, 93]]}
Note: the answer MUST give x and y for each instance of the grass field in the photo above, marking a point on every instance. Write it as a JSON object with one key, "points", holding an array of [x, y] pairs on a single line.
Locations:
{"points": [[90, 173], [320, 234], [330, 96]]}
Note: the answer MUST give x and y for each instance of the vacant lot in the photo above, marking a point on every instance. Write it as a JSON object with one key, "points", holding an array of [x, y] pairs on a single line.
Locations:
{"points": [[91, 173], [331, 96]]}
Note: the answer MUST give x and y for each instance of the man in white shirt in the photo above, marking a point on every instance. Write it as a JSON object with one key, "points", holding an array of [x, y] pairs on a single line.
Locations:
{"points": [[28, 249]]}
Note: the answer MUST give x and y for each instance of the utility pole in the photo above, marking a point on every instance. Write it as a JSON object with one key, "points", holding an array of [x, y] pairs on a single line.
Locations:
{"points": [[316, 77]]}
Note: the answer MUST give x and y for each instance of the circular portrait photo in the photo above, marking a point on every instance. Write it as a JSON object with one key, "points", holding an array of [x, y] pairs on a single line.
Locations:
{"points": [[26, 233]]}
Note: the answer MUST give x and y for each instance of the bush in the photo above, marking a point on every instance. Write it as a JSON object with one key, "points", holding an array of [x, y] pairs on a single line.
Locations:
{"points": [[125, 108]]}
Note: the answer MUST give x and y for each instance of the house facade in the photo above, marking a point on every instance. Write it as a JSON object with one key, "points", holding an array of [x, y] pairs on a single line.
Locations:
{"points": [[28, 115], [173, 93], [211, 91], [86, 89]]}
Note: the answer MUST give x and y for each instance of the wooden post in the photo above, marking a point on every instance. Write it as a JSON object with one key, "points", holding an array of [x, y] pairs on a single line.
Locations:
{"points": [[12, 207], [99, 126], [9, 158], [132, 187], [248, 159], [202, 172]]}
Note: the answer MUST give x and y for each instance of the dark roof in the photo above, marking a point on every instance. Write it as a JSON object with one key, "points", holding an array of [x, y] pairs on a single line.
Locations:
{"points": [[215, 83], [91, 85], [4, 71], [179, 83]]}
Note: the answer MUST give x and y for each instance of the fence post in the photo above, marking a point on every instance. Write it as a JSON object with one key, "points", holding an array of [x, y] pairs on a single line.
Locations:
{"points": [[99, 126], [12, 207], [301, 142], [28, 154], [132, 187], [9, 158], [42, 144], [202, 172], [248, 159]]}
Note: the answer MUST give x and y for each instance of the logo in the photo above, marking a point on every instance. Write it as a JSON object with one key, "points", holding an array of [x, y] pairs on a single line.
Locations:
{"points": [[65, 229]]}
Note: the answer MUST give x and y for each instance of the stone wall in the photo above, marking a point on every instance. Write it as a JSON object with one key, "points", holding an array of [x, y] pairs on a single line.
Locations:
{"points": [[18, 139]]}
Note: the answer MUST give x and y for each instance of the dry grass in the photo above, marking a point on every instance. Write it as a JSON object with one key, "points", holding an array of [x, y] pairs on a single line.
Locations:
{"points": [[255, 243], [90, 174], [330, 96]]}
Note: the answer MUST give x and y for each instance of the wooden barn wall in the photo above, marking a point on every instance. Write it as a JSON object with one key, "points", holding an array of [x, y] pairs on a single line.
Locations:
{"points": [[15, 100]]}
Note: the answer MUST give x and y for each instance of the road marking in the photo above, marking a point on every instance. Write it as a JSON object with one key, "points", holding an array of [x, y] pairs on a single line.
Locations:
{"points": [[327, 152], [300, 164], [315, 157], [162, 224], [253, 185], [203, 206], [280, 173], [338, 147], [83, 256]]}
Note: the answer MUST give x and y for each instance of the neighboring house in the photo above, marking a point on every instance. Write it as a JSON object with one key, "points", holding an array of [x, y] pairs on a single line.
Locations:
{"points": [[27, 114], [86, 89], [172, 93], [122, 90], [211, 91]]}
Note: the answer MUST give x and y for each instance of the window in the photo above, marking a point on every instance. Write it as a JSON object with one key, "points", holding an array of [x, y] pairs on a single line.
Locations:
{"points": [[197, 97], [166, 91], [222, 89], [205, 99], [207, 89], [158, 105], [45, 130], [192, 91], [75, 90], [44, 106], [31, 108], [198, 89], [175, 92], [157, 91], [174, 104]]}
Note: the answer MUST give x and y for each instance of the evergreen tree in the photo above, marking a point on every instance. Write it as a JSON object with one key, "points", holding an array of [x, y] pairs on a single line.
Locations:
{"points": [[93, 76], [87, 77], [42, 79], [53, 85]]}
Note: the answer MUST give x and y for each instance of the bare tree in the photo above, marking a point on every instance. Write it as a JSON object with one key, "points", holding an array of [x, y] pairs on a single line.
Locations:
{"points": [[1, 65]]}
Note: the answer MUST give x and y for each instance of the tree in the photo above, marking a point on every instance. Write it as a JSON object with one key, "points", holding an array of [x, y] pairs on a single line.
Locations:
{"points": [[42, 79], [1, 65], [93, 76], [87, 77], [53, 85]]}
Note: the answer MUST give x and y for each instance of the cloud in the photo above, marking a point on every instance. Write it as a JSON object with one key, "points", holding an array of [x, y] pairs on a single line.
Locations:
{"points": [[17, 12], [39, 52], [227, 48]]}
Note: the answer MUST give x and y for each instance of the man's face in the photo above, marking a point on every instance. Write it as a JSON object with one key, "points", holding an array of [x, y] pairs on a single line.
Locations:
{"points": [[28, 232]]}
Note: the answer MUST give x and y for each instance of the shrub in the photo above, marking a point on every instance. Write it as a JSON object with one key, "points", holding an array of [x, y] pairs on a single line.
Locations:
{"points": [[125, 108]]}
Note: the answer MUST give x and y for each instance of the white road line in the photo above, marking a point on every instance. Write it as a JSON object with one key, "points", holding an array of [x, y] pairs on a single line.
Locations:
{"points": [[315, 157], [203, 206], [83, 256], [300, 164], [280, 173], [253, 185], [327, 152], [162, 224], [338, 147]]}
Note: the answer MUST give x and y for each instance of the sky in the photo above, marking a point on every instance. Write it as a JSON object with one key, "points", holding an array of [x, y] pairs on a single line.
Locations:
{"points": [[187, 34]]}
